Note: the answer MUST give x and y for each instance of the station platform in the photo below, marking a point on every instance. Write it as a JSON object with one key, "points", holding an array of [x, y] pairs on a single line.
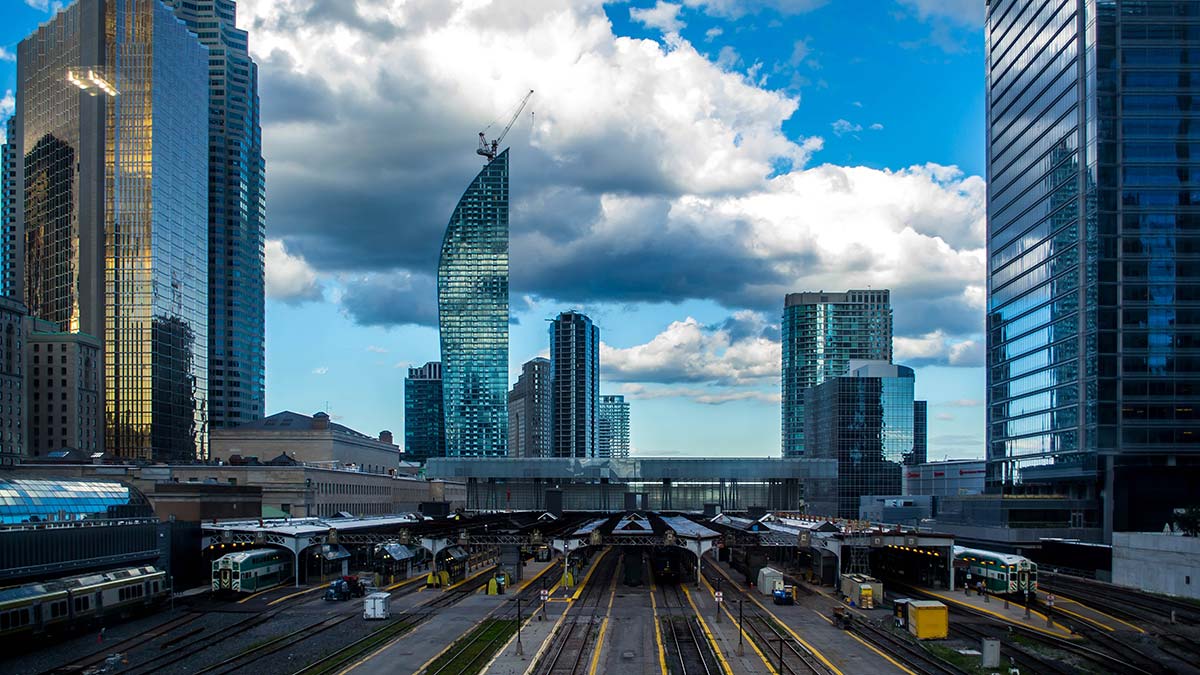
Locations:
{"points": [[994, 606], [1066, 609]]}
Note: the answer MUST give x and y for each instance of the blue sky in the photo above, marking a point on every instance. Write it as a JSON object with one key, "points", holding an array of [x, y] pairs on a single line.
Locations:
{"points": [[684, 166]]}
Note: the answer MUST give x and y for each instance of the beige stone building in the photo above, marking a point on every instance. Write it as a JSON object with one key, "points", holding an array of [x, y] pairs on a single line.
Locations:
{"points": [[13, 442], [311, 440]]}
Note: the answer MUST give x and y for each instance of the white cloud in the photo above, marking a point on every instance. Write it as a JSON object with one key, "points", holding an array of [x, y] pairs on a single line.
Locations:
{"points": [[742, 350], [876, 127], [376, 349], [842, 127], [50, 6], [734, 9], [713, 33], [706, 396], [6, 55], [967, 13], [321, 370], [289, 278], [856, 104], [800, 51], [944, 417], [7, 105], [728, 57], [937, 348], [663, 15], [961, 403]]}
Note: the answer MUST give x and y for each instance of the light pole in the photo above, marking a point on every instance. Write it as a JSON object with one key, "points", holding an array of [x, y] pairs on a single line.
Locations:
{"points": [[741, 650], [520, 647]]}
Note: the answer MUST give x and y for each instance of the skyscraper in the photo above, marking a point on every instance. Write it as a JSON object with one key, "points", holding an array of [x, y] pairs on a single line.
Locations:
{"points": [[111, 133], [236, 216], [920, 453], [574, 385], [529, 411], [1093, 292], [9, 202], [612, 427], [424, 423], [473, 317], [821, 333], [863, 419]]}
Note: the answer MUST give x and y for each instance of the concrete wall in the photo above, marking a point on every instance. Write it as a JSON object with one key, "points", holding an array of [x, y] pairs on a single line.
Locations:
{"points": [[305, 445], [1159, 563]]}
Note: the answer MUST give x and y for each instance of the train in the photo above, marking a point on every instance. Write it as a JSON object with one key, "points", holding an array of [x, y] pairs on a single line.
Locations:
{"points": [[1001, 573], [250, 571], [57, 605], [633, 566]]}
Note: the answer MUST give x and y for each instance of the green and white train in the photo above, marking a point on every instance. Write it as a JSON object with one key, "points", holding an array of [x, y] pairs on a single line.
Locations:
{"points": [[1001, 573], [251, 571]]}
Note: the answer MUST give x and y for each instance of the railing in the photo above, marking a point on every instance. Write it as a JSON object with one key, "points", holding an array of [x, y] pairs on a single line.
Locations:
{"points": [[83, 522]]}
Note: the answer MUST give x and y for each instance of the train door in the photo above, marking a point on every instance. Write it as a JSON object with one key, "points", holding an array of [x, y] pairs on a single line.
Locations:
{"points": [[226, 578]]}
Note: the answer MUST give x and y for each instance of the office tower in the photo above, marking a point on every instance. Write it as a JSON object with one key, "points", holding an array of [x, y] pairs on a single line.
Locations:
{"points": [[529, 411], [64, 382], [574, 385], [111, 133], [424, 423], [1093, 310], [920, 451], [822, 332], [612, 427], [236, 216], [14, 325], [8, 209], [473, 317], [863, 419]]}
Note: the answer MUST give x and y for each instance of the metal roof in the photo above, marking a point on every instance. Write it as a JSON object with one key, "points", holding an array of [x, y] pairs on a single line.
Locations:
{"points": [[589, 526], [688, 528], [297, 527]]}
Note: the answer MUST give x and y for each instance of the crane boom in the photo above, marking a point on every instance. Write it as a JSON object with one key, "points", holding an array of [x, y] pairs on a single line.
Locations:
{"points": [[488, 148]]}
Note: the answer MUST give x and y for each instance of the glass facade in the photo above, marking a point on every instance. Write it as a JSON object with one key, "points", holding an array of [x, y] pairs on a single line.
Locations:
{"points": [[1094, 253], [574, 385], [35, 500], [865, 421], [424, 423], [920, 451], [473, 317], [821, 333], [236, 216], [8, 210], [529, 411], [613, 427], [112, 129]]}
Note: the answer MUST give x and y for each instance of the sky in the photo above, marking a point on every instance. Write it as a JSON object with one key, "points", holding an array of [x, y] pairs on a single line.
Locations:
{"points": [[681, 166]]}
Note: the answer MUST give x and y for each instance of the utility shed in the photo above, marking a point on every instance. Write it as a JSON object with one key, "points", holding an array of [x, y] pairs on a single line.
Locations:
{"points": [[768, 578], [928, 619]]}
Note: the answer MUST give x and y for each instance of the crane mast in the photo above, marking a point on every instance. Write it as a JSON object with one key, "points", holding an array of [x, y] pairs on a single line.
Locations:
{"points": [[488, 148]]}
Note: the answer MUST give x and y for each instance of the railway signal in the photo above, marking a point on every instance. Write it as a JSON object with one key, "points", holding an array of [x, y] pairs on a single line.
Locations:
{"points": [[719, 597]]}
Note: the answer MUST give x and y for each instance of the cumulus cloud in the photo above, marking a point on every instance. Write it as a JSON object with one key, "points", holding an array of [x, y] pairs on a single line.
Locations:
{"points": [[376, 349], [733, 9], [744, 349], [706, 396], [876, 127], [937, 349], [713, 33], [967, 13], [663, 15], [320, 370], [842, 127], [391, 299], [962, 403], [7, 105], [6, 55], [290, 279]]}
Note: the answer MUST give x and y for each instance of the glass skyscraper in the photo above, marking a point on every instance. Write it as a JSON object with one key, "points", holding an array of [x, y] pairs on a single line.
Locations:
{"points": [[9, 203], [612, 427], [821, 333], [111, 133], [236, 216], [864, 420], [1093, 276], [473, 317], [574, 385], [424, 423]]}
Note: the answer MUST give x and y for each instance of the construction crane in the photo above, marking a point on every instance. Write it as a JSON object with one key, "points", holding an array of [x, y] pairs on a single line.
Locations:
{"points": [[489, 148]]}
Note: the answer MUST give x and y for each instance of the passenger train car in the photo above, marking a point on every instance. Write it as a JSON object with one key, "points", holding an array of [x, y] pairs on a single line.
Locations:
{"points": [[1002, 573], [51, 605], [251, 571]]}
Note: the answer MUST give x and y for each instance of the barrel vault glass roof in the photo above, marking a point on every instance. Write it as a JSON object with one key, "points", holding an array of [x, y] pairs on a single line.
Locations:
{"points": [[37, 500]]}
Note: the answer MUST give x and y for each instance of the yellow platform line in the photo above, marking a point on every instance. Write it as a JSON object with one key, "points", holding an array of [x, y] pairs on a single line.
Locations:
{"points": [[662, 652], [477, 576], [612, 595], [591, 570], [1065, 634], [406, 582], [1103, 614], [288, 597], [712, 641], [745, 636], [868, 645], [255, 595], [812, 650]]}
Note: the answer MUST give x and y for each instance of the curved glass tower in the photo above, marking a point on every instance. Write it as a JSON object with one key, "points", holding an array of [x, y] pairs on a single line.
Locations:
{"points": [[473, 317]]}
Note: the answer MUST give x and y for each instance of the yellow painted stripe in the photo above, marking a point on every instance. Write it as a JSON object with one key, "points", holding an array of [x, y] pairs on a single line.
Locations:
{"points": [[599, 644], [406, 582], [1062, 632], [868, 645], [1093, 609], [545, 570], [587, 577], [794, 634], [254, 595], [612, 595], [712, 641], [662, 653], [476, 578], [745, 636], [288, 597]]}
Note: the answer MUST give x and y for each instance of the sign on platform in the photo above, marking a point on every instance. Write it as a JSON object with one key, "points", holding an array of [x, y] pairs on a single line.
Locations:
{"points": [[720, 596], [545, 595]]}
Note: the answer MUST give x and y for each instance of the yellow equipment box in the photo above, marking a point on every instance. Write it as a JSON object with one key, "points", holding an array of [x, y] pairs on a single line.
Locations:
{"points": [[928, 619]]}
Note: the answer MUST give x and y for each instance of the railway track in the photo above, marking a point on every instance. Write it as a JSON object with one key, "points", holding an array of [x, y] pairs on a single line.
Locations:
{"points": [[1124, 603], [188, 648], [1025, 659], [688, 651], [572, 642], [913, 655], [99, 656], [259, 651], [334, 660]]}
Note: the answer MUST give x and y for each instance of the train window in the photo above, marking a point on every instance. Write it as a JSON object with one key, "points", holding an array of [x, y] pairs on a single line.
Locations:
{"points": [[4, 623]]}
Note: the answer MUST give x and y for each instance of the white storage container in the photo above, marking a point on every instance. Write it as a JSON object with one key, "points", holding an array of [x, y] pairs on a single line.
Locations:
{"points": [[768, 579], [377, 606]]}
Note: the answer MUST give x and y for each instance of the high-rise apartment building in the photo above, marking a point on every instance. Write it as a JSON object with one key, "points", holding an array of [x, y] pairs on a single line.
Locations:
{"points": [[822, 332], [9, 202], [424, 423], [612, 427], [13, 327], [65, 401], [1093, 312], [863, 419], [473, 317], [111, 136], [574, 385], [236, 216], [529, 411], [920, 453]]}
